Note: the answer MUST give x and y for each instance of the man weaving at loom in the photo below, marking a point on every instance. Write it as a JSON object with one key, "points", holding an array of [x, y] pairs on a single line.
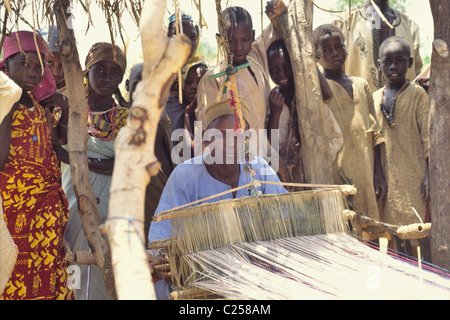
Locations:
{"points": [[237, 244], [206, 175]]}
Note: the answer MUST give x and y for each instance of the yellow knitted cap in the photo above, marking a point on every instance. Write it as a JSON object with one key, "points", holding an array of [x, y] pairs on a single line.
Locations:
{"points": [[223, 107]]}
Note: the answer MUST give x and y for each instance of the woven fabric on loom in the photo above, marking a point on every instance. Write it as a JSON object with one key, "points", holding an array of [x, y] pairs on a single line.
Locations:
{"points": [[287, 246]]}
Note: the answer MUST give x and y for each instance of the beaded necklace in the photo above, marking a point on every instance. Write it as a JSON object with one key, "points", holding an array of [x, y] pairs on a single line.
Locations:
{"points": [[110, 116], [390, 115]]}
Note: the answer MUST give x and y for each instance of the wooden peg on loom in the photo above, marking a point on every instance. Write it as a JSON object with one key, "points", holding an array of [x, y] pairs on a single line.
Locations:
{"points": [[415, 243], [414, 231]]}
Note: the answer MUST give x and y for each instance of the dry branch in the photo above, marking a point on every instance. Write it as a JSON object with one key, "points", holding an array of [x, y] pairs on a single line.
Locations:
{"points": [[135, 161], [77, 139], [295, 27]]}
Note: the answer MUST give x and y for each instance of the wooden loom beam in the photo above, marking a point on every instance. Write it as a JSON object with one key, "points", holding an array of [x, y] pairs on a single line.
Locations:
{"points": [[404, 232], [86, 257]]}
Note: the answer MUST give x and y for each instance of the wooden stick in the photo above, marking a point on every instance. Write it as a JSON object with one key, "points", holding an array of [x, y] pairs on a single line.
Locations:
{"points": [[191, 294], [417, 214], [162, 267], [76, 141], [419, 257], [383, 244], [377, 9], [179, 29], [158, 244], [414, 231], [159, 217], [86, 257], [347, 189], [135, 160]]}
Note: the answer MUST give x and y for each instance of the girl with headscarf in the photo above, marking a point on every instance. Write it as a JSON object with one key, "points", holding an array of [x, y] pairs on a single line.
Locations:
{"points": [[35, 207], [107, 114], [192, 31], [174, 108]]}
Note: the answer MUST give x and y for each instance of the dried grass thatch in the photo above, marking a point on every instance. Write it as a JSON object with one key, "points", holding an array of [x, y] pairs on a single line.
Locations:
{"points": [[34, 14]]}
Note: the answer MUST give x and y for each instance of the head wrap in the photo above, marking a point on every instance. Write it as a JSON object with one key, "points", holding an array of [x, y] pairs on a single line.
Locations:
{"points": [[172, 18], [25, 39], [193, 58], [223, 107], [103, 51], [53, 39]]}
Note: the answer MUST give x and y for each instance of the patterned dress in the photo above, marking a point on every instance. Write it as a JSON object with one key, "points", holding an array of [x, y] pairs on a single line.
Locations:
{"points": [[35, 209]]}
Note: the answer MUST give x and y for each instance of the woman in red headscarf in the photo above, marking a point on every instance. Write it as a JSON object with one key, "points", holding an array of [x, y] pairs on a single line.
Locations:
{"points": [[35, 207]]}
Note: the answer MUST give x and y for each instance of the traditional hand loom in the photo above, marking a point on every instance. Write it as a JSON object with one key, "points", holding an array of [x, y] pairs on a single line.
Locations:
{"points": [[285, 246]]}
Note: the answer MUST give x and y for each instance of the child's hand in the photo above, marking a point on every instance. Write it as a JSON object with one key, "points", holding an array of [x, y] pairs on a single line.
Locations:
{"points": [[191, 107], [57, 99], [380, 186], [189, 117], [424, 83], [161, 268], [425, 187], [274, 8], [57, 113], [61, 153], [276, 101]]}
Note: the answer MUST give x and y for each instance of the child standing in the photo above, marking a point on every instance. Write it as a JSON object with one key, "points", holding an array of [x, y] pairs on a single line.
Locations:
{"points": [[358, 161], [283, 115], [107, 114], [365, 31], [177, 111], [252, 82], [402, 109]]}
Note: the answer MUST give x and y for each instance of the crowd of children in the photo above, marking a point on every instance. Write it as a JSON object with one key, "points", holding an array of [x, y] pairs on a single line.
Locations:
{"points": [[375, 120]]}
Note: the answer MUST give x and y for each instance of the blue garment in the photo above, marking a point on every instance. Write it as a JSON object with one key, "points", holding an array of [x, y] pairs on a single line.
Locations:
{"points": [[190, 181], [175, 110]]}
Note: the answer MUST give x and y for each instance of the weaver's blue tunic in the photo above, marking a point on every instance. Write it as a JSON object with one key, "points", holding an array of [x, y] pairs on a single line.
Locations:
{"points": [[190, 181]]}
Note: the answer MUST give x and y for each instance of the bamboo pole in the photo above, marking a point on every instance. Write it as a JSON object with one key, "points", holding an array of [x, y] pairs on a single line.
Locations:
{"points": [[135, 161], [77, 139]]}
